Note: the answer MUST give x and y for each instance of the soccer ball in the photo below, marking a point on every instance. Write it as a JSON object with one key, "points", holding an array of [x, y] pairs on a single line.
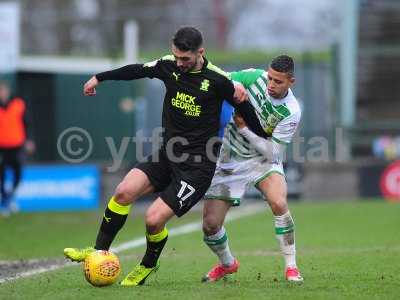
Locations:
{"points": [[101, 268]]}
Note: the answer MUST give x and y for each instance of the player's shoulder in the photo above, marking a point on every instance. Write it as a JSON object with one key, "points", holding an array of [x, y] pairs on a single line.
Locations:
{"points": [[293, 104], [166, 59], [252, 71], [249, 76], [216, 72]]}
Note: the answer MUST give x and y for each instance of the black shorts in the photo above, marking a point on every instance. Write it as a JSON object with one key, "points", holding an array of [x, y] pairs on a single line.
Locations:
{"points": [[182, 185]]}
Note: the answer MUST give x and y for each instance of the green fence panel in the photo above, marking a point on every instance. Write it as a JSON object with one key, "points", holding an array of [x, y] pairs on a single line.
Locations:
{"points": [[109, 114]]}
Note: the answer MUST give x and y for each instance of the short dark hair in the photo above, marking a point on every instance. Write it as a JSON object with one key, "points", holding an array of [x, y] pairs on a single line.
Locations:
{"points": [[188, 39], [283, 64]]}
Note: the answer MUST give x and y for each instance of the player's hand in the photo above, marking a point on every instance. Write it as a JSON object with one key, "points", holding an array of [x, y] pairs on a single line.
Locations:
{"points": [[240, 94], [240, 123], [89, 89], [30, 147]]}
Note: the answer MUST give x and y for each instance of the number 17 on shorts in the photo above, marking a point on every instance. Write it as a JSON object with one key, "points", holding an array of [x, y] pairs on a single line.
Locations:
{"points": [[184, 193]]}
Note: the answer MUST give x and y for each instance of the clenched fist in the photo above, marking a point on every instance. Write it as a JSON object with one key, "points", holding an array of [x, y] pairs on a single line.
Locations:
{"points": [[89, 89]]}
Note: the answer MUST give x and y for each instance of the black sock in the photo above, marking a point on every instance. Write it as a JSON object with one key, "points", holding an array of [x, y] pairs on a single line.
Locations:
{"points": [[154, 248], [114, 219]]}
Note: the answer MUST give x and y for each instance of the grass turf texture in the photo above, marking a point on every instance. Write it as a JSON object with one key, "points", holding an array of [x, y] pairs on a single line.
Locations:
{"points": [[345, 251]]}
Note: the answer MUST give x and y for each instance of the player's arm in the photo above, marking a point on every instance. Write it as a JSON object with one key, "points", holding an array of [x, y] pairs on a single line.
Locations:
{"points": [[245, 109], [268, 148], [129, 72], [242, 80], [273, 148], [246, 77]]}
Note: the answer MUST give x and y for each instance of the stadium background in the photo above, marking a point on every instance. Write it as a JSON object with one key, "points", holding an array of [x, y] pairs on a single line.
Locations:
{"points": [[347, 69]]}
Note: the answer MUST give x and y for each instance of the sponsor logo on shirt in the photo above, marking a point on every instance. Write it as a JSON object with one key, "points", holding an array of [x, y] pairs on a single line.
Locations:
{"points": [[187, 103], [205, 84]]}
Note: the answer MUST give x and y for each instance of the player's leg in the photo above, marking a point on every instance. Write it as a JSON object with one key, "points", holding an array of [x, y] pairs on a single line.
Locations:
{"points": [[157, 216], [215, 237], [2, 177], [227, 187], [147, 177], [274, 189], [185, 190], [16, 166], [6, 162], [132, 187], [3, 193]]}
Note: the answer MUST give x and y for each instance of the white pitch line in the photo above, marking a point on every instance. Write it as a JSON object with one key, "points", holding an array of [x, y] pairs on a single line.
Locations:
{"points": [[35, 272], [248, 210]]}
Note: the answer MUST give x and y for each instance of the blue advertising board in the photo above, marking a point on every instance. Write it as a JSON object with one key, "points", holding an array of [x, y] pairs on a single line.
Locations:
{"points": [[58, 187]]}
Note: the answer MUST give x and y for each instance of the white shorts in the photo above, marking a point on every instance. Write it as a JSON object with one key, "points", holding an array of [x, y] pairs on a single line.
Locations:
{"points": [[233, 177]]}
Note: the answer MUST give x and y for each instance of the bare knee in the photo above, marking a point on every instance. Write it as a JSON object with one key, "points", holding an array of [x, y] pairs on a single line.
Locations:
{"points": [[154, 221], [134, 185], [275, 192], [211, 225], [123, 194], [278, 206]]}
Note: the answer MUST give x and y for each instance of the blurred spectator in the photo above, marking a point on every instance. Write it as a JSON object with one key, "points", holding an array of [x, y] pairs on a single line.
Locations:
{"points": [[386, 147], [13, 139]]}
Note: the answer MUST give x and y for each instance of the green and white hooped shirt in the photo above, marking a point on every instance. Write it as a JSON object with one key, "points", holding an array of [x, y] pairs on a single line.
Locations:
{"points": [[278, 117]]}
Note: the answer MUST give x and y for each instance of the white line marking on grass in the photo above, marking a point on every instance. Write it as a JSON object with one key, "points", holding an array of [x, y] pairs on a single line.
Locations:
{"points": [[36, 271], [235, 214]]}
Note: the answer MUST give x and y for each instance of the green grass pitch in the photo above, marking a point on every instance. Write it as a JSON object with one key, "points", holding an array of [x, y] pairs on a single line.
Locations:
{"points": [[345, 250]]}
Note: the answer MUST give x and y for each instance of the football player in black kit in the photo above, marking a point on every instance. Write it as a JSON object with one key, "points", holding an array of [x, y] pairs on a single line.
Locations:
{"points": [[181, 170]]}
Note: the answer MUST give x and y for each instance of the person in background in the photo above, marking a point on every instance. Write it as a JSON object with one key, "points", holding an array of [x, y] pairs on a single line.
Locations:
{"points": [[13, 139]]}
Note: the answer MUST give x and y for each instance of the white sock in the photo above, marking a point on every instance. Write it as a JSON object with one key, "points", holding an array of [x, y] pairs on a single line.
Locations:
{"points": [[284, 230], [218, 243]]}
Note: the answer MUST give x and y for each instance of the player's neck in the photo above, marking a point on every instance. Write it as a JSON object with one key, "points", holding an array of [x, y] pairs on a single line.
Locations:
{"points": [[199, 64], [284, 95]]}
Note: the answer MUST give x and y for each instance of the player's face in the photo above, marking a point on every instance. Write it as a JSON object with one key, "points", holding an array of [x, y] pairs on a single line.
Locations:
{"points": [[278, 83], [187, 60]]}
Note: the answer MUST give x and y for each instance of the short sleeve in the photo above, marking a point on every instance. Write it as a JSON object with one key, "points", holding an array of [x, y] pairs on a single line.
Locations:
{"points": [[284, 131], [246, 77]]}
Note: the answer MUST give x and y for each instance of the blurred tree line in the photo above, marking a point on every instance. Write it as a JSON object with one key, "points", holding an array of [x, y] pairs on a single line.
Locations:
{"points": [[95, 27]]}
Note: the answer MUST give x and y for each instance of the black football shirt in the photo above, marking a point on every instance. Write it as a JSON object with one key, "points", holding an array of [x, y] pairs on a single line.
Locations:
{"points": [[192, 103]]}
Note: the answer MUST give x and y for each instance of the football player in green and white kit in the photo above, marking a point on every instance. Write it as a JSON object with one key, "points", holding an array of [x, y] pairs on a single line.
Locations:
{"points": [[247, 159]]}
